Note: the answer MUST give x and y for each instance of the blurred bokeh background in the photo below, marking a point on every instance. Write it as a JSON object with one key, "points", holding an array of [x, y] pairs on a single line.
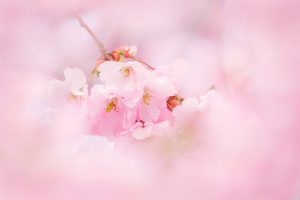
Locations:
{"points": [[248, 144]]}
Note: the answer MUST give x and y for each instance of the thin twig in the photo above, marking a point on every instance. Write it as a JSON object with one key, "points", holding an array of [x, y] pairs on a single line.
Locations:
{"points": [[145, 64], [100, 45], [213, 87]]}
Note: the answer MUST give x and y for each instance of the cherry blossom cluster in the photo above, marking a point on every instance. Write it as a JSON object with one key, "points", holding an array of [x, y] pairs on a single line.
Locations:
{"points": [[127, 96]]}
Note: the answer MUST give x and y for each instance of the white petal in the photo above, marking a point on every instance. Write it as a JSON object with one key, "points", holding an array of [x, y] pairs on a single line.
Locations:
{"points": [[162, 86], [100, 90], [113, 77], [75, 77], [109, 71], [163, 124], [142, 133], [162, 128], [191, 102], [188, 107]]}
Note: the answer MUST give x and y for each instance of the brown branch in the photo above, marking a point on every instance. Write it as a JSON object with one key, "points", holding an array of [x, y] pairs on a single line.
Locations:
{"points": [[145, 64], [100, 45], [213, 87]]}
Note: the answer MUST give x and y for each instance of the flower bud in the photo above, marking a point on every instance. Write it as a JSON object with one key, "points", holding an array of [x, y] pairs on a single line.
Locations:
{"points": [[116, 56], [174, 101]]}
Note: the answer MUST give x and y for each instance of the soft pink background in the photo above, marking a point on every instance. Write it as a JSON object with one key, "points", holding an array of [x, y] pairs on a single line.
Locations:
{"points": [[249, 144]]}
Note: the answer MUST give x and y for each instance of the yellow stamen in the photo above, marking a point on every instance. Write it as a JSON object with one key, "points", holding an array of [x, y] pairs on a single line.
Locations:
{"points": [[126, 71], [112, 105], [146, 97], [74, 97]]}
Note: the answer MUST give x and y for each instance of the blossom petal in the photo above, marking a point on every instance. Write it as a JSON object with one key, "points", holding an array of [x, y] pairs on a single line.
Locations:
{"points": [[142, 133], [149, 113], [162, 86], [75, 77]]}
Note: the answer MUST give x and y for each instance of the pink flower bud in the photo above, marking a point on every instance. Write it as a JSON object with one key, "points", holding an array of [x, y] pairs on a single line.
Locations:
{"points": [[174, 101], [116, 56]]}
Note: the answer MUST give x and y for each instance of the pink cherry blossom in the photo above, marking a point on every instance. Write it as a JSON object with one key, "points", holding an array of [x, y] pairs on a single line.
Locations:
{"points": [[154, 100], [72, 89], [126, 79], [108, 114]]}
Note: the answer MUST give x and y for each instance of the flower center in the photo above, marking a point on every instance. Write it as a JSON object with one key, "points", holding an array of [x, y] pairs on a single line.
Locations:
{"points": [[146, 97], [112, 105], [77, 95], [74, 97], [126, 71]]}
